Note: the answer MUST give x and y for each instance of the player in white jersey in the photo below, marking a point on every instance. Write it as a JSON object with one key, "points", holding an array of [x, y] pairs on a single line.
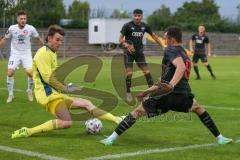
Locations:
{"points": [[20, 35]]}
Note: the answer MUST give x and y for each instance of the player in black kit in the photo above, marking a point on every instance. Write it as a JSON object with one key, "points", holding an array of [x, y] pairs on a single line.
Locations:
{"points": [[131, 38], [201, 40], [172, 92]]}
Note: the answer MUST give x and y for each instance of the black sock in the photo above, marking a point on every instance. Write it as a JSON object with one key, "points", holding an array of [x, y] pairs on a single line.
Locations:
{"points": [[128, 83], [210, 70], [126, 123], [208, 122], [196, 71], [149, 79]]}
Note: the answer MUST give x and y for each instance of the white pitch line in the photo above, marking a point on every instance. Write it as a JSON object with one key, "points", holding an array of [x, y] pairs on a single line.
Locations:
{"points": [[17, 90], [30, 153], [223, 108], [153, 151]]}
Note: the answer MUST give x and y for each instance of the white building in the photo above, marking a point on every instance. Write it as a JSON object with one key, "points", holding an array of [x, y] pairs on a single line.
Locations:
{"points": [[105, 31]]}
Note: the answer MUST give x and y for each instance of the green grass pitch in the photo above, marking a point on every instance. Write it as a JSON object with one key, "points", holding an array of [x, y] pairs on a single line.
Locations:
{"points": [[158, 133]]}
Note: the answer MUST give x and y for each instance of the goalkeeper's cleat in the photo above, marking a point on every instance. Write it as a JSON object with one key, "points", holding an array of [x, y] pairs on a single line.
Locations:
{"points": [[21, 133], [224, 140], [30, 95], [107, 142], [10, 98], [129, 97]]}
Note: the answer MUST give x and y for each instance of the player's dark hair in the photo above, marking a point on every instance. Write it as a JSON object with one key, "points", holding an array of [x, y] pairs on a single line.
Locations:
{"points": [[201, 24], [137, 11], [21, 12], [54, 29], [174, 32]]}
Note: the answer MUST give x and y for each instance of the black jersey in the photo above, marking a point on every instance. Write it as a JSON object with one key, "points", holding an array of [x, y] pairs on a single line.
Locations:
{"points": [[135, 33], [200, 42], [168, 69]]}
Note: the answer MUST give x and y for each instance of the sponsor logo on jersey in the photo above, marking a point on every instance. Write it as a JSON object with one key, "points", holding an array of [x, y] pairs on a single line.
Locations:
{"points": [[132, 28], [137, 34], [21, 39], [142, 28], [199, 41]]}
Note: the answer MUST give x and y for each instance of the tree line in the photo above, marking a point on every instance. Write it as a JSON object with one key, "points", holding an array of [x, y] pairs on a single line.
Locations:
{"points": [[188, 16]]}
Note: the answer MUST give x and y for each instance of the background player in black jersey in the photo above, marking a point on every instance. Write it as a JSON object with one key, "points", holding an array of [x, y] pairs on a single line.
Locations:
{"points": [[131, 38], [201, 40], [178, 97]]}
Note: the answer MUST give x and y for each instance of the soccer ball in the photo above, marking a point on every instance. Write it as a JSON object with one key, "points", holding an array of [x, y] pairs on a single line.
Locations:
{"points": [[93, 126]]}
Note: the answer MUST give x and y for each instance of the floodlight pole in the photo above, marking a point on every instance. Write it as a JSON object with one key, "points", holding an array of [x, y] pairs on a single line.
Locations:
{"points": [[238, 18]]}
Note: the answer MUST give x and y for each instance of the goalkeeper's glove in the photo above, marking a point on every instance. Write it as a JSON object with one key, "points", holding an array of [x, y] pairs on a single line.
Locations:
{"points": [[70, 88]]}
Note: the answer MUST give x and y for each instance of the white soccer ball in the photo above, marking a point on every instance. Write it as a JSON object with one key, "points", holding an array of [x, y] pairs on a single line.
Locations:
{"points": [[93, 126]]}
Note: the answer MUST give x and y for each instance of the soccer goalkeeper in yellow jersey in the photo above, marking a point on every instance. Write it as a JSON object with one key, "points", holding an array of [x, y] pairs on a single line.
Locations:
{"points": [[48, 90]]}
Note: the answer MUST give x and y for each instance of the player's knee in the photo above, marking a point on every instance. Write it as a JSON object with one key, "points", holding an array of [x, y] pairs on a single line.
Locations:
{"points": [[197, 108], [129, 74], [10, 72], [88, 105], [145, 72], [138, 112], [205, 64], [65, 124]]}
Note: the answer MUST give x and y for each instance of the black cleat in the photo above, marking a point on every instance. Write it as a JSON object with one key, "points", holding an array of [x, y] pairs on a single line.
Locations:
{"points": [[213, 77], [198, 78]]}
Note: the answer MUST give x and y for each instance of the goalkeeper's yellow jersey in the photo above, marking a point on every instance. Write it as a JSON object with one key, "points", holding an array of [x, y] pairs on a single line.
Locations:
{"points": [[44, 64]]}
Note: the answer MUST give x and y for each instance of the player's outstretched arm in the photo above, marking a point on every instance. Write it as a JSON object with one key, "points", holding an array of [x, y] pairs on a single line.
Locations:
{"points": [[57, 85], [152, 89], [179, 72], [40, 40], [159, 40], [159, 88]]}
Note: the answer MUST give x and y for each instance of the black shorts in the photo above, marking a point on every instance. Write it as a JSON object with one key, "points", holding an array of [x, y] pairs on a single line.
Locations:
{"points": [[137, 56], [196, 57], [174, 101]]}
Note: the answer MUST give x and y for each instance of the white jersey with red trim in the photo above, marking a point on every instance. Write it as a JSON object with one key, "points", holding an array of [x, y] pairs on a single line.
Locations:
{"points": [[21, 38]]}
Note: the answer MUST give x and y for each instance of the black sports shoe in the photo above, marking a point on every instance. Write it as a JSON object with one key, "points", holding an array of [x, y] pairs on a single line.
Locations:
{"points": [[214, 77]]}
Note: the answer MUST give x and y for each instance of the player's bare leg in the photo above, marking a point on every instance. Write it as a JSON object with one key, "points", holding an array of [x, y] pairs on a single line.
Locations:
{"points": [[209, 123], [209, 68], [30, 84], [129, 73], [195, 67], [125, 124], [10, 85], [96, 112]]}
